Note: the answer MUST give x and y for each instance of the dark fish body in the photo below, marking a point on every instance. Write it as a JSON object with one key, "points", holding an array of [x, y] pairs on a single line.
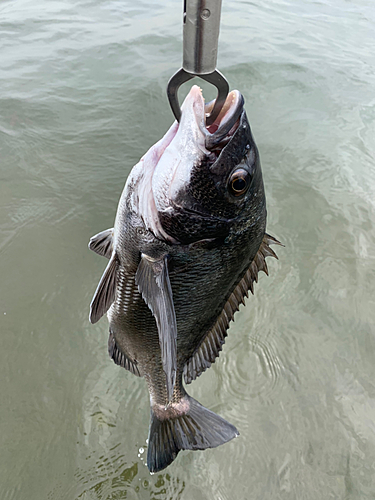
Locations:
{"points": [[188, 242]]}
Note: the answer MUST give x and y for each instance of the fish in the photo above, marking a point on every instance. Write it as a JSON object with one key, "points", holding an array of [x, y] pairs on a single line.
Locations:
{"points": [[187, 245]]}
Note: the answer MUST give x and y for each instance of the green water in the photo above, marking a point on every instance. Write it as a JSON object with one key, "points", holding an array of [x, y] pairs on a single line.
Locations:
{"points": [[82, 97]]}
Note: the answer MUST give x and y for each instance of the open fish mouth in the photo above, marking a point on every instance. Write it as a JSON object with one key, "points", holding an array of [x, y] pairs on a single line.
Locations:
{"points": [[227, 122]]}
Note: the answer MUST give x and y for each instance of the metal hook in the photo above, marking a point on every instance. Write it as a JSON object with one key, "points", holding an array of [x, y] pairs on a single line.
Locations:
{"points": [[215, 78]]}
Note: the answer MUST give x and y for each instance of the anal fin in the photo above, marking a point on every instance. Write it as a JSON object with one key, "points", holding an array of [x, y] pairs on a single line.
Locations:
{"points": [[212, 343], [121, 358], [153, 283]]}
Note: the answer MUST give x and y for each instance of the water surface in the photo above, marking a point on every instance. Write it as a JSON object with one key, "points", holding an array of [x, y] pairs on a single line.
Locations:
{"points": [[82, 98]]}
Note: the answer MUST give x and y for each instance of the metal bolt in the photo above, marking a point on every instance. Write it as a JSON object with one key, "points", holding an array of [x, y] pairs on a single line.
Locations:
{"points": [[205, 14]]}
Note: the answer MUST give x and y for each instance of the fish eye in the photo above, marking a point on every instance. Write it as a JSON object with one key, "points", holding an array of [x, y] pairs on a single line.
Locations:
{"points": [[239, 182]]}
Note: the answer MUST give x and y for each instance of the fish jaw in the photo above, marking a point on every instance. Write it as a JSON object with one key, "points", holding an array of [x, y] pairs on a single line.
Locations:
{"points": [[187, 148], [138, 196], [159, 183], [149, 184]]}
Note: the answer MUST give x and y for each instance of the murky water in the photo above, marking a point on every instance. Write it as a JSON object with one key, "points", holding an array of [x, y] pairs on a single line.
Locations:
{"points": [[82, 98]]}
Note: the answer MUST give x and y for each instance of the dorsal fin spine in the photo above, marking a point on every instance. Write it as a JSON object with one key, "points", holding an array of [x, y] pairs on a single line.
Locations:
{"points": [[212, 343]]}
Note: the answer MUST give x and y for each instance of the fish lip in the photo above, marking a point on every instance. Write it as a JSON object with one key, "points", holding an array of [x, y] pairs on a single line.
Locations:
{"points": [[193, 106], [223, 124], [226, 122], [216, 167]]}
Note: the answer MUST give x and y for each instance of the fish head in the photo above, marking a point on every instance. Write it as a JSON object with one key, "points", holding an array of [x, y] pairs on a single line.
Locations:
{"points": [[207, 182]]}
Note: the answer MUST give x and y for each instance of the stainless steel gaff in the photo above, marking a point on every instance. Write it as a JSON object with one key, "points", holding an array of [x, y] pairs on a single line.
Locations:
{"points": [[201, 28]]}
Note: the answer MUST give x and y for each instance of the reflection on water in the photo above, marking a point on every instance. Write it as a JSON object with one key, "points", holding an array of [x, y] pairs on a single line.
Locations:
{"points": [[105, 471], [129, 482], [83, 97]]}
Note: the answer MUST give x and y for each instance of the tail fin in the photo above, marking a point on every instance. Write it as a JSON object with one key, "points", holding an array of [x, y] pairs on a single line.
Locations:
{"points": [[186, 426]]}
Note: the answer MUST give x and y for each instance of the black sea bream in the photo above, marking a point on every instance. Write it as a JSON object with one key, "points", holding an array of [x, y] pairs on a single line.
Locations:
{"points": [[188, 242]]}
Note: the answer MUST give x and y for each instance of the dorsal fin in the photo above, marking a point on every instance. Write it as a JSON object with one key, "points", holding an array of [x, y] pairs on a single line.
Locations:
{"points": [[102, 243], [212, 343]]}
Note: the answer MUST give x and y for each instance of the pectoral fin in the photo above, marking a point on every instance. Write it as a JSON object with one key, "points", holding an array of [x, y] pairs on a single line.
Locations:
{"points": [[105, 292], [102, 243], [153, 283]]}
